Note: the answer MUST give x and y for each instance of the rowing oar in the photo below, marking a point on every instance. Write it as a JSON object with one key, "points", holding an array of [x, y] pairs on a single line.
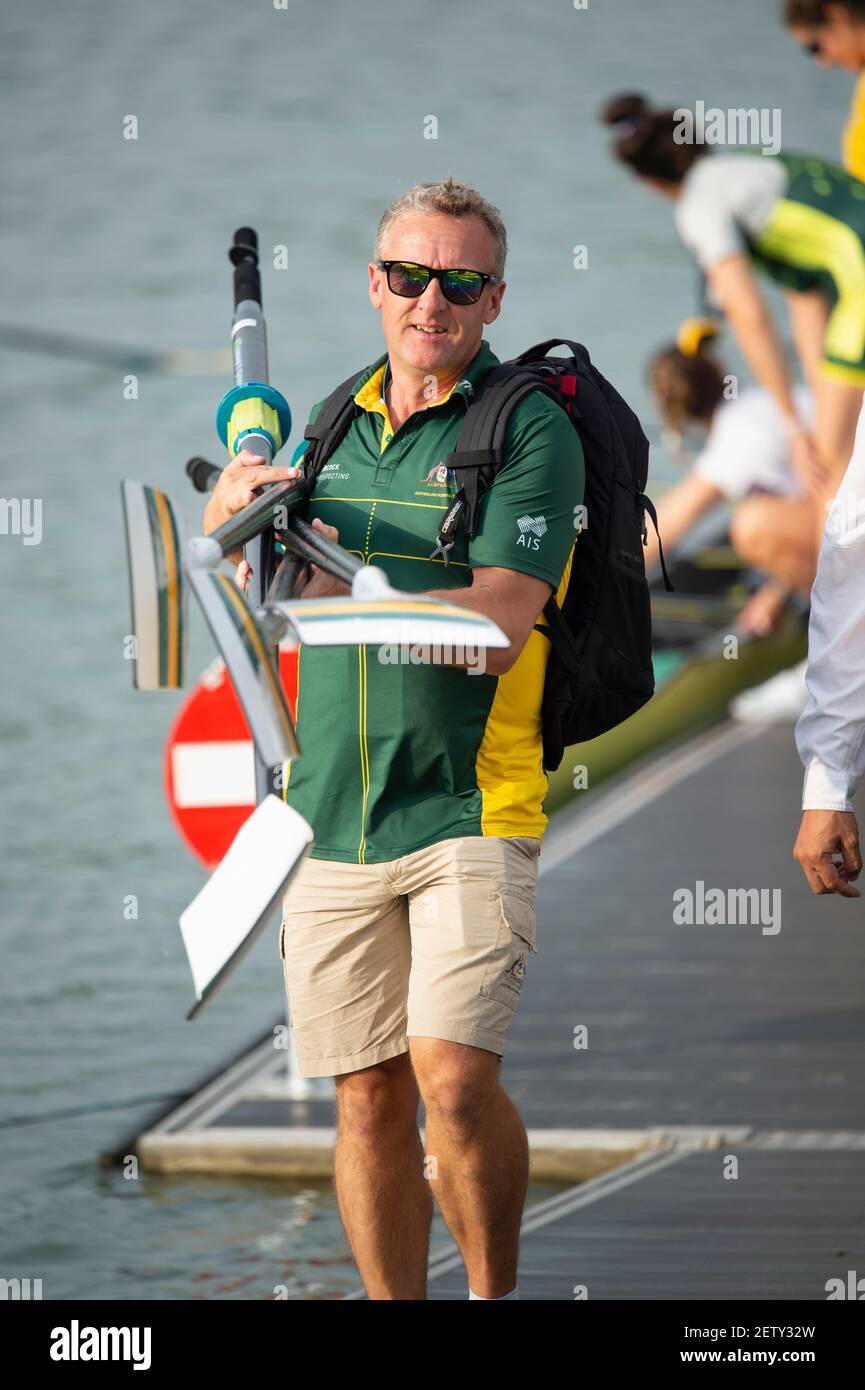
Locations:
{"points": [[253, 415], [302, 542], [174, 362]]}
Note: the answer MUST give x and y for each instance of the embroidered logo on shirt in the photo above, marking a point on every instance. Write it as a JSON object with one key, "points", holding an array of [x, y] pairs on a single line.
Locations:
{"points": [[531, 529], [439, 474]]}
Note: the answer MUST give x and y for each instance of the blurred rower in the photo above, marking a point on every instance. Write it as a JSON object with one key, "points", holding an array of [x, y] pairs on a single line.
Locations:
{"points": [[796, 218], [744, 459], [833, 32]]}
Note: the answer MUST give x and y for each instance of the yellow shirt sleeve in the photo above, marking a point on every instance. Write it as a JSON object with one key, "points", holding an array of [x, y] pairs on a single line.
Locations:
{"points": [[853, 140]]}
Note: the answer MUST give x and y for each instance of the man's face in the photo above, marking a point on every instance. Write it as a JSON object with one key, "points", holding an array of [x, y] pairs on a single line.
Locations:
{"points": [[429, 334], [840, 40]]}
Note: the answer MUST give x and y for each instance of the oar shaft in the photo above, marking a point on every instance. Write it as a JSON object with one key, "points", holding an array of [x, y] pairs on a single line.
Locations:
{"points": [[312, 545], [301, 538], [282, 585], [254, 416], [248, 525], [248, 331]]}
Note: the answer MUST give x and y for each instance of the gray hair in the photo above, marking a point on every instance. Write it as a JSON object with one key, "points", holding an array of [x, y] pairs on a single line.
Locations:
{"points": [[454, 199]]}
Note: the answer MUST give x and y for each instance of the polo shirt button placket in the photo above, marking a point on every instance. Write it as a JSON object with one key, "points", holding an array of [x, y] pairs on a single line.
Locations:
{"points": [[388, 458]]}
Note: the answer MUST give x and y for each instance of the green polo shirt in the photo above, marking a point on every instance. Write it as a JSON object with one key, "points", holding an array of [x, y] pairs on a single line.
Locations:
{"points": [[395, 757]]}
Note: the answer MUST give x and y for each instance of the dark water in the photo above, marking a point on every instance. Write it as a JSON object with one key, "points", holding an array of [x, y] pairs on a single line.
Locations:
{"points": [[305, 123]]}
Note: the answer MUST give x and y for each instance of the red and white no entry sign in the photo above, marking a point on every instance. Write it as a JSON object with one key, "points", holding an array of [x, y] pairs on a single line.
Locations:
{"points": [[209, 765]]}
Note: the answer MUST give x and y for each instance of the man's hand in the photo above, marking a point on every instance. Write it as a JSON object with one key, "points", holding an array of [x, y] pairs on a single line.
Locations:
{"points": [[823, 834], [235, 489], [320, 583]]}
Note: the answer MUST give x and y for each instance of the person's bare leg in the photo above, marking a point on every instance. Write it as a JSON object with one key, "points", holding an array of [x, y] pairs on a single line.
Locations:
{"points": [[776, 536], [384, 1198], [479, 1147]]}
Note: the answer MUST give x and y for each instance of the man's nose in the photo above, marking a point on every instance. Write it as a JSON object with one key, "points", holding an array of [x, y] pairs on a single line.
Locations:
{"points": [[432, 297]]}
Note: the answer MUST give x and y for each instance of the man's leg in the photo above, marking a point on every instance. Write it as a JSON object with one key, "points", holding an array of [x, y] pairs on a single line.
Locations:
{"points": [[477, 1150], [384, 1198], [346, 953], [472, 919]]}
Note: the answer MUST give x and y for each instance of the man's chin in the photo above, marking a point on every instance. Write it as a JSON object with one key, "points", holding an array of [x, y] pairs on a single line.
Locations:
{"points": [[420, 350]]}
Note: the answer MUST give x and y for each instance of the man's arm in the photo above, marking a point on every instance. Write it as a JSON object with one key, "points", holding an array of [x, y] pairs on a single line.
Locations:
{"points": [[543, 480], [512, 600], [830, 734]]}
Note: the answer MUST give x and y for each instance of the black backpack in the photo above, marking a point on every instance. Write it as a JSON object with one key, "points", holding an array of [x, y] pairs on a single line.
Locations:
{"points": [[600, 667]]}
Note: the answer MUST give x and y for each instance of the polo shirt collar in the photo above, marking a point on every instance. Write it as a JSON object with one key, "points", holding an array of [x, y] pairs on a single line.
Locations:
{"points": [[483, 360]]}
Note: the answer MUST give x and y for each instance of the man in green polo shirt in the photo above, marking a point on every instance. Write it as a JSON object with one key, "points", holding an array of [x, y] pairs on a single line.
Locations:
{"points": [[407, 931]]}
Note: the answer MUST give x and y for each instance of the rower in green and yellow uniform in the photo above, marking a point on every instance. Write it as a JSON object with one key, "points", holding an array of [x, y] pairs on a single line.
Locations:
{"points": [[800, 220], [833, 32]]}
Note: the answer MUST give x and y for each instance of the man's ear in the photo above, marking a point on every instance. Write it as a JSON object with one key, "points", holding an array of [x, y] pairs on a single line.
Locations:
{"points": [[494, 307], [376, 283]]}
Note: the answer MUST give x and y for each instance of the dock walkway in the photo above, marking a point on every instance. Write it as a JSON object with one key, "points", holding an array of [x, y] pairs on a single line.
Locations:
{"points": [[651, 1058]]}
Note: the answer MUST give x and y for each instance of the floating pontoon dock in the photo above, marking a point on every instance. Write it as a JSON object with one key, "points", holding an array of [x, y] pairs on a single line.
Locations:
{"points": [[695, 1045]]}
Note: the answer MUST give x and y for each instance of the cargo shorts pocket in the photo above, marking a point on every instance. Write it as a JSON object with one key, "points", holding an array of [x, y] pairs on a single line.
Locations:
{"points": [[505, 970]]}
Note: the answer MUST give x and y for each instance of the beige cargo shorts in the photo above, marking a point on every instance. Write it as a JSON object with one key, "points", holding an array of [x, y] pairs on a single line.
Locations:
{"points": [[434, 944]]}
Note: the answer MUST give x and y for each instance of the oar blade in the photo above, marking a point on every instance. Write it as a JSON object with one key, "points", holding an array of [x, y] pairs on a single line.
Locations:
{"points": [[244, 648], [155, 536], [235, 905], [404, 620]]}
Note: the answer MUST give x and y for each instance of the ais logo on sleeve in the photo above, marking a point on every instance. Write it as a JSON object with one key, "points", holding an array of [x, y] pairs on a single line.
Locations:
{"points": [[531, 529]]}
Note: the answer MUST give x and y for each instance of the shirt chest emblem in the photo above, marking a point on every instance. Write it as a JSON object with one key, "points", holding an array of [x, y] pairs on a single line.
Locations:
{"points": [[440, 474]]}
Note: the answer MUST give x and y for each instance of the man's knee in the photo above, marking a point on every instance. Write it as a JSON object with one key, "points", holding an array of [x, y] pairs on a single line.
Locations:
{"points": [[457, 1084], [377, 1100]]}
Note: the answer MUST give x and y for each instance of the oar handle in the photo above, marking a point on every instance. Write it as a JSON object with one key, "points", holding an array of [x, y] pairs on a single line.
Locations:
{"points": [[311, 545], [244, 257], [203, 473]]}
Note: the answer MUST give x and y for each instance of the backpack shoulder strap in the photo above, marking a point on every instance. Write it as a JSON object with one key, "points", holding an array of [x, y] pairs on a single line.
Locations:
{"points": [[328, 429], [479, 451]]}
